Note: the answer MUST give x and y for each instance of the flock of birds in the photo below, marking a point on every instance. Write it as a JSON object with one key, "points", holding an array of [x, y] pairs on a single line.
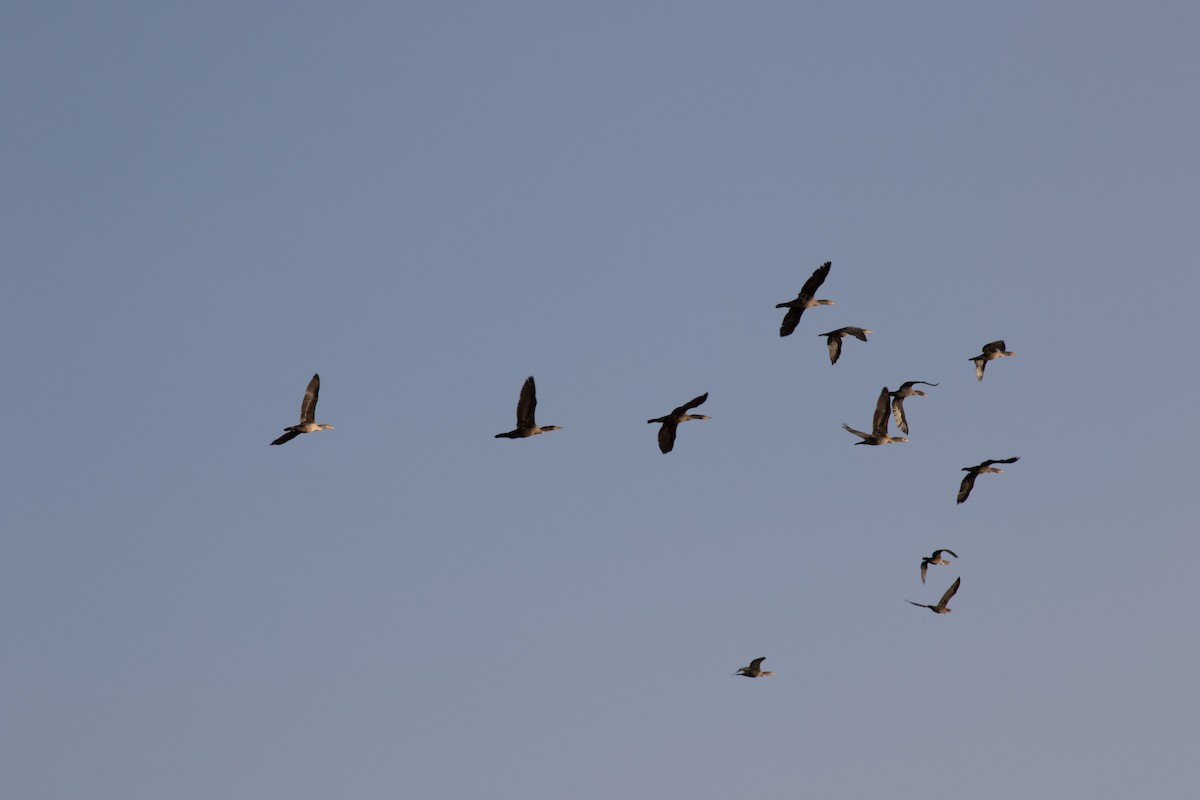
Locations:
{"points": [[889, 405]]}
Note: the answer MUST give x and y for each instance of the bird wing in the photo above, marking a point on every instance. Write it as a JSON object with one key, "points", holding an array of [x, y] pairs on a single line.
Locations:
{"points": [[835, 346], [287, 437], [980, 365], [756, 664], [994, 347], [689, 405], [308, 406], [879, 424], [815, 280], [938, 553], [968, 483], [790, 320], [666, 435], [856, 432], [910, 384], [898, 412], [921, 605], [924, 569], [857, 333], [949, 593], [991, 461], [527, 405]]}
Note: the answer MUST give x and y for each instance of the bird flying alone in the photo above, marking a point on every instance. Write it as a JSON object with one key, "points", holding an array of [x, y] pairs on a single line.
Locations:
{"points": [[991, 350], [936, 558], [804, 300], [879, 424], [968, 481], [941, 607], [526, 406], [834, 339], [754, 669], [308, 410], [906, 390], [670, 422]]}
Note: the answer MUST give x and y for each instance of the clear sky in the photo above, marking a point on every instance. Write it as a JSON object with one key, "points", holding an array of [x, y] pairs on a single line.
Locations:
{"points": [[206, 203]]}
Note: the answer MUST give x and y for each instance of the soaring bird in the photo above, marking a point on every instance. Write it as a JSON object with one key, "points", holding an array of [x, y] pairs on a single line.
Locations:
{"points": [[754, 670], [308, 408], [804, 300], [666, 434], [906, 390], [525, 407], [968, 481], [941, 607], [936, 558], [834, 338], [879, 424], [991, 350]]}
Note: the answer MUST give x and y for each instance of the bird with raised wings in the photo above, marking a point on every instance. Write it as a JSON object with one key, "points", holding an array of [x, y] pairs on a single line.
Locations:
{"points": [[906, 390], [804, 300], [879, 424], [308, 410], [936, 558], [941, 607], [526, 406], [834, 340], [991, 350], [670, 422], [754, 669]]}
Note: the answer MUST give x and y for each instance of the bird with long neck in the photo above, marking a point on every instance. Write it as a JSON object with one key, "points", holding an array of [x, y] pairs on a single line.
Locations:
{"points": [[670, 422], [526, 406], [991, 351], [754, 669], [879, 424], [804, 300], [308, 410], [941, 607]]}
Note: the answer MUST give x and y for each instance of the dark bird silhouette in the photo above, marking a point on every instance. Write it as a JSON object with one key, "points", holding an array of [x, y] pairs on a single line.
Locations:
{"points": [[879, 424], [666, 434], [941, 607], [804, 300], [936, 558], [906, 390], [754, 670], [991, 350], [526, 406], [834, 339], [308, 408], [968, 481]]}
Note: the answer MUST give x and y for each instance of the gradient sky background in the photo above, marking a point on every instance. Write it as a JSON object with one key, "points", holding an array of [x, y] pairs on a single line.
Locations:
{"points": [[425, 203]]}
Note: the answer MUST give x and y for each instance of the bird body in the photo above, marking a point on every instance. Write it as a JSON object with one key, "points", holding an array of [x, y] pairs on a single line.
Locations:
{"points": [[991, 350], [879, 424], [804, 300], [526, 406], [834, 340], [670, 422], [754, 669], [906, 390], [936, 558], [968, 481], [308, 410], [941, 607]]}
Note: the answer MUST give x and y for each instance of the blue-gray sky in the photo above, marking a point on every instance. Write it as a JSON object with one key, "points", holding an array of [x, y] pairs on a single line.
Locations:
{"points": [[204, 204]]}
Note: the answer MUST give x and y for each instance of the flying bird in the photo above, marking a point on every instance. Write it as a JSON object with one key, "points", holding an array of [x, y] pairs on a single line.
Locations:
{"points": [[754, 670], [968, 481], [936, 558], [670, 422], [906, 390], [834, 338], [879, 424], [991, 350], [526, 405], [941, 607], [308, 408], [804, 300]]}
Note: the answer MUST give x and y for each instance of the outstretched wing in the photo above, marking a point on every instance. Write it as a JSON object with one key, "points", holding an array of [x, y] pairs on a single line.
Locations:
{"points": [[835, 346], [816, 279], [689, 405], [949, 593], [994, 347], [856, 432], [666, 436], [991, 461], [938, 553], [756, 664], [790, 320], [857, 333], [909, 384], [898, 412], [968, 483], [924, 569], [879, 423], [308, 406], [980, 365], [287, 437], [527, 405]]}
